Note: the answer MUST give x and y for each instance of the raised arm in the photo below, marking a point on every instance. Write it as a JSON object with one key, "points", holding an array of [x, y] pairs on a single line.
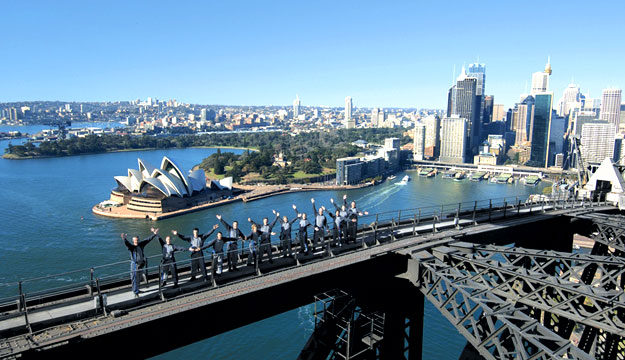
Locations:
{"points": [[161, 241], [313, 206], [147, 240], [273, 223], [294, 220], [185, 238], [253, 222], [205, 236], [345, 200], [334, 203], [225, 224], [126, 242]]}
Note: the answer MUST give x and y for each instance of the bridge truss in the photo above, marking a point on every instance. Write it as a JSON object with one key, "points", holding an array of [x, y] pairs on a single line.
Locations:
{"points": [[517, 303]]}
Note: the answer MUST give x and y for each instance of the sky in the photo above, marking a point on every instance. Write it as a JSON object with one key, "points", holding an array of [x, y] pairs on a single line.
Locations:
{"points": [[387, 54]]}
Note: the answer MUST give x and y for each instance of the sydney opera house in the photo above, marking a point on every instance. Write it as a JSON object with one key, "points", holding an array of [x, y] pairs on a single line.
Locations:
{"points": [[166, 188]]}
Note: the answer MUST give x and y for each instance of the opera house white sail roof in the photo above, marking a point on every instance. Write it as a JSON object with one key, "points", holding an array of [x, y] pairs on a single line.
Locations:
{"points": [[169, 179]]}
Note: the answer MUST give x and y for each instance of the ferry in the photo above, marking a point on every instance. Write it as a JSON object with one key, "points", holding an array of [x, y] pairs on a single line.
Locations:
{"points": [[532, 180], [449, 174], [459, 176], [503, 178], [427, 172], [478, 176], [404, 180]]}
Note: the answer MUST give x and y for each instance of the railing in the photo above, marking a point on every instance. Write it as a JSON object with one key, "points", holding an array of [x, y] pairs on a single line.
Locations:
{"points": [[373, 229]]}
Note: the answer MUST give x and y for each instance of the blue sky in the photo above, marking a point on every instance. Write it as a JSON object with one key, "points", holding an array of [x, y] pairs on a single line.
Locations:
{"points": [[398, 53]]}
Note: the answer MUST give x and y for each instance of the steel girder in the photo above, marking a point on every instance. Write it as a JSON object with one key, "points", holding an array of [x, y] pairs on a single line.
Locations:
{"points": [[497, 328], [578, 302]]}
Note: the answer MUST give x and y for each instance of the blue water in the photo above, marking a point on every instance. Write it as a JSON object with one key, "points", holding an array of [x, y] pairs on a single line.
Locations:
{"points": [[47, 228]]}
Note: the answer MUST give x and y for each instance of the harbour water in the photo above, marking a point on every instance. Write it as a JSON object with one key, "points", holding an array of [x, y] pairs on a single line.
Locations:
{"points": [[47, 228]]}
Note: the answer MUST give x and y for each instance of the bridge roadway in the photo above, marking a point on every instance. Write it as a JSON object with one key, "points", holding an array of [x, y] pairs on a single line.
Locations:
{"points": [[196, 310]]}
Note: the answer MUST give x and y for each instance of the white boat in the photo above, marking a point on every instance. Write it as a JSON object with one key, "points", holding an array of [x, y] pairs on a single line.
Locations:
{"points": [[404, 180], [392, 177]]}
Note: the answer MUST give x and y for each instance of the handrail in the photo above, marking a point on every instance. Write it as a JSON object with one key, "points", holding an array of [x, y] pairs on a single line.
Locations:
{"points": [[394, 219]]}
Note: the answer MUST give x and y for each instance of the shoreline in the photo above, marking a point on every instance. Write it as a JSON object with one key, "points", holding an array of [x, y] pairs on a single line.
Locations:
{"points": [[262, 193], [15, 157]]}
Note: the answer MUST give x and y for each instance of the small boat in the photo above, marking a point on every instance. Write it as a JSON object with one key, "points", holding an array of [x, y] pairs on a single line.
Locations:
{"points": [[404, 180], [392, 177], [460, 175]]}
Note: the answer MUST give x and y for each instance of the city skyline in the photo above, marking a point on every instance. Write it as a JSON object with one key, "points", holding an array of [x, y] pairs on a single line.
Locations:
{"points": [[217, 54]]}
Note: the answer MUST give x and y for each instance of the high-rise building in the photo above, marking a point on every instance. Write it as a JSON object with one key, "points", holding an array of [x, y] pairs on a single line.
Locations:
{"points": [[432, 135], [296, 104], [453, 139], [499, 112], [522, 116], [467, 105], [597, 142], [478, 71], [539, 154], [487, 112], [203, 115], [349, 122], [571, 99], [375, 122], [540, 80], [419, 141], [611, 106]]}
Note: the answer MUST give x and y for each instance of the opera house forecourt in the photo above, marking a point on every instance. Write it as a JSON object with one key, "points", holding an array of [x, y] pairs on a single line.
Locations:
{"points": [[159, 192]]}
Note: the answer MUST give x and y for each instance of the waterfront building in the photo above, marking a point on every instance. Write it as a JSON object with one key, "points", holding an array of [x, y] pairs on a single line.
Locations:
{"points": [[611, 106], [543, 103], [166, 188], [419, 141], [349, 121], [597, 142], [453, 139]]}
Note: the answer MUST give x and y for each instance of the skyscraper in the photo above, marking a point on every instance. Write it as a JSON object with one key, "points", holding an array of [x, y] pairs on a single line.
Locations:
{"points": [[375, 117], [419, 141], [522, 116], [611, 106], [467, 105], [499, 113], [540, 80], [597, 142], [539, 154], [349, 122], [487, 112], [432, 135], [571, 99], [296, 104], [453, 139], [478, 71]]}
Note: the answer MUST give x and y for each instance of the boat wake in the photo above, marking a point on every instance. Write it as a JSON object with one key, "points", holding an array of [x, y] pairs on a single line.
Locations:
{"points": [[379, 197], [305, 317]]}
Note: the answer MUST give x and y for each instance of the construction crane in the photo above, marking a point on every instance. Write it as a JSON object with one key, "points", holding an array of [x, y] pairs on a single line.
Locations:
{"points": [[62, 125]]}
